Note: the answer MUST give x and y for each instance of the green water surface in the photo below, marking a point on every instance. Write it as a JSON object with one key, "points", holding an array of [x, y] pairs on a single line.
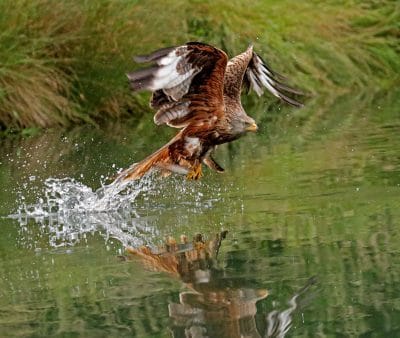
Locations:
{"points": [[314, 194]]}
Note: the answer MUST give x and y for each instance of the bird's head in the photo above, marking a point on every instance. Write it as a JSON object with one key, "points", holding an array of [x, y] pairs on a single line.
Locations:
{"points": [[250, 125], [243, 124]]}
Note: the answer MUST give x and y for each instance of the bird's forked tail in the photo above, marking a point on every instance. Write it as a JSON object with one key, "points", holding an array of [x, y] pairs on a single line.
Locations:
{"points": [[161, 159], [137, 170]]}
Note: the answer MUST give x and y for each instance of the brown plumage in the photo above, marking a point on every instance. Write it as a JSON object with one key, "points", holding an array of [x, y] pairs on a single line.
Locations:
{"points": [[195, 88]]}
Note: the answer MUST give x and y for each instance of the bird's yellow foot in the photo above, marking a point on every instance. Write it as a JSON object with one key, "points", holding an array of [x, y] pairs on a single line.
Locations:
{"points": [[195, 173]]}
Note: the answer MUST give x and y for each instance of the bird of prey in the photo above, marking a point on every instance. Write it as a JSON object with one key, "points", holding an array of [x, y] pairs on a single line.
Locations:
{"points": [[196, 89]]}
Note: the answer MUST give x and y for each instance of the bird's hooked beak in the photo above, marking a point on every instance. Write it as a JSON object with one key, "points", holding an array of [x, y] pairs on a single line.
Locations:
{"points": [[252, 127]]}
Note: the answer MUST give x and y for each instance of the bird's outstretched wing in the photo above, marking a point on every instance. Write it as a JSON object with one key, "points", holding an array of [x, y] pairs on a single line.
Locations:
{"points": [[187, 84], [249, 71], [259, 76], [186, 81]]}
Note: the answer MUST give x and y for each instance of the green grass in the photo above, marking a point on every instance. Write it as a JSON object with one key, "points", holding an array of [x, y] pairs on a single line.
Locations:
{"points": [[64, 63]]}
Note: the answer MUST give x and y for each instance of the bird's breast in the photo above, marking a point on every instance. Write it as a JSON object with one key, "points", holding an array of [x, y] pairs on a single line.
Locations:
{"points": [[192, 146]]}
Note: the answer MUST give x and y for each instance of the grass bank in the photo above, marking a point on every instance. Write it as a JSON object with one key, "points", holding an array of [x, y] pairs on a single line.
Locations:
{"points": [[64, 62]]}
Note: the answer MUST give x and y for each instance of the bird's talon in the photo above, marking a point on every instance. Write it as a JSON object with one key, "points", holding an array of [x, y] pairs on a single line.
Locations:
{"points": [[195, 173]]}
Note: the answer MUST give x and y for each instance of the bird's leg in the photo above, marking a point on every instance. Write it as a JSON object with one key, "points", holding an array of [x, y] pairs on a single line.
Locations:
{"points": [[195, 172], [210, 162]]}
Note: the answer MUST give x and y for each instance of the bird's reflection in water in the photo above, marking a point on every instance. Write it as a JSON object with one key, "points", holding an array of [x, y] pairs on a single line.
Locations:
{"points": [[215, 304]]}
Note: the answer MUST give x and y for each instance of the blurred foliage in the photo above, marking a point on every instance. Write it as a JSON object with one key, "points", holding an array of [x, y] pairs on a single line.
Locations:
{"points": [[64, 62]]}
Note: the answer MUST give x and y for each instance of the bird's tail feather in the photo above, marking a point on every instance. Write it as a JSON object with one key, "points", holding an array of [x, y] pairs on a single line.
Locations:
{"points": [[160, 158], [137, 170]]}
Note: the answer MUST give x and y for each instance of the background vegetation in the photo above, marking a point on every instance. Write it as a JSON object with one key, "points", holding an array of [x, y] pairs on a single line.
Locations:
{"points": [[315, 192], [63, 63]]}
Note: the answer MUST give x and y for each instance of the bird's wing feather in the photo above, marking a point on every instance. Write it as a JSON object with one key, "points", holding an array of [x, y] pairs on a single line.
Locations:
{"points": [[259, 76], [186, 81]]}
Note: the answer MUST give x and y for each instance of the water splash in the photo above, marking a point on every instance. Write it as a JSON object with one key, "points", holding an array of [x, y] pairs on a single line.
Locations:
{"points": [[68, 194], [67, 210]]}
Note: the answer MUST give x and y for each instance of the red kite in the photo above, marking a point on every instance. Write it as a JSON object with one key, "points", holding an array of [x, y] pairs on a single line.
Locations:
{"points": [[196, 89]]}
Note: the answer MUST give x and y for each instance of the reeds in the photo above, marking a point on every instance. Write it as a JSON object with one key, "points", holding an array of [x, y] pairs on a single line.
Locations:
{"points": [[64, 62]]}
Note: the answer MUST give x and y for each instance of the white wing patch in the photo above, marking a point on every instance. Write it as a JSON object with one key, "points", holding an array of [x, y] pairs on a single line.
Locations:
{"points": [[172, 73], [171, 112], [261, 77], [173, 70], [177, 92]]}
